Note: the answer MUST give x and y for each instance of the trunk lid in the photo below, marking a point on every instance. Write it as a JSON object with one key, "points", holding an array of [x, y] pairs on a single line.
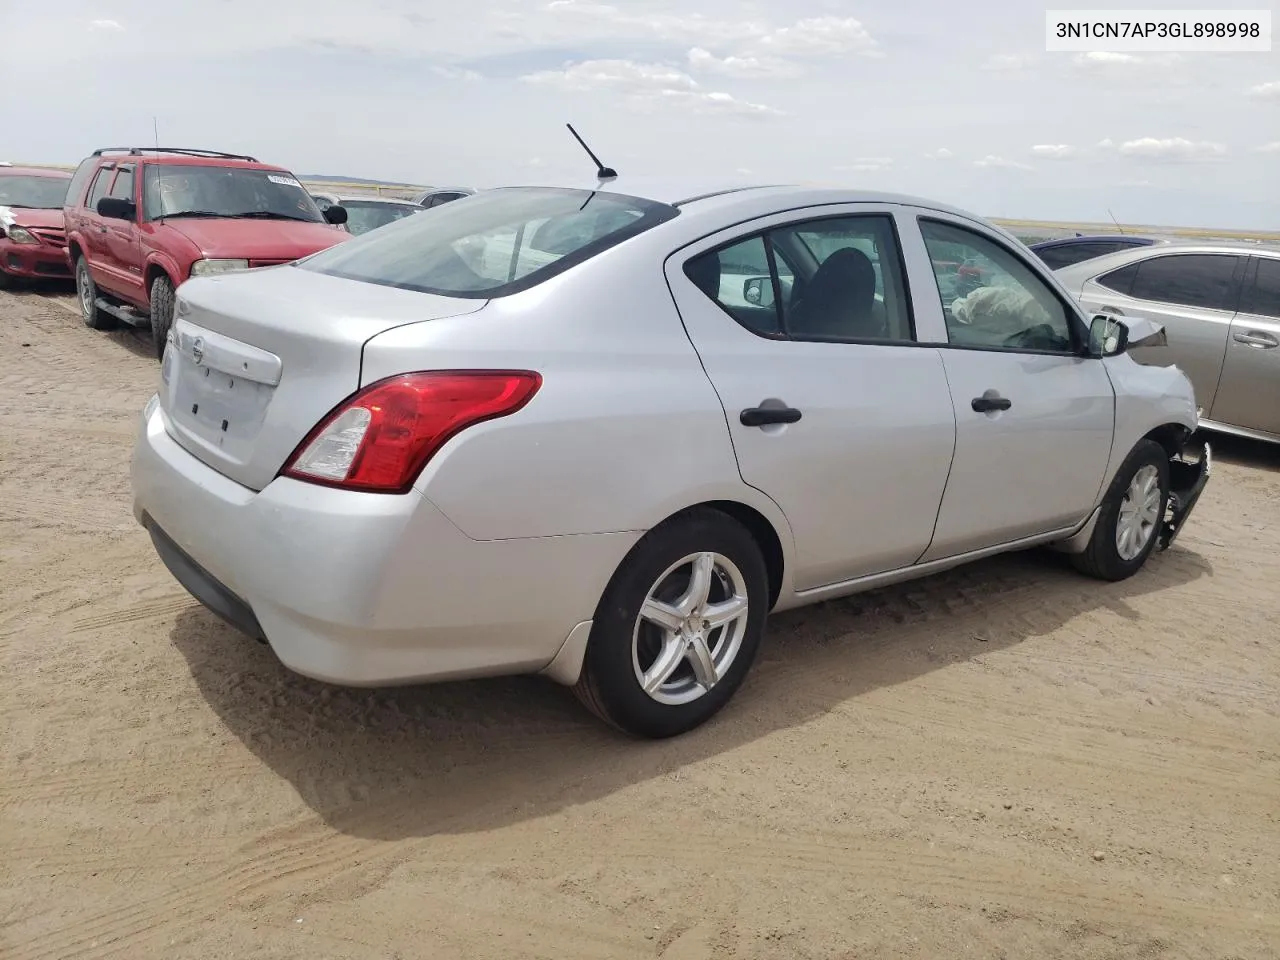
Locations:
{"points": [[258, 358]]}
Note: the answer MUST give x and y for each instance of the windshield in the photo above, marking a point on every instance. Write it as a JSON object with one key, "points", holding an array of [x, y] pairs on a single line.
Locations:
{"points": [[498, 242], [176, 190], [44, 193], [366, 215]]}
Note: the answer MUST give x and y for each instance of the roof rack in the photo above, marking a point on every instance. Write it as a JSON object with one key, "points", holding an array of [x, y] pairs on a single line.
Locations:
{"points": [[188, 151]]}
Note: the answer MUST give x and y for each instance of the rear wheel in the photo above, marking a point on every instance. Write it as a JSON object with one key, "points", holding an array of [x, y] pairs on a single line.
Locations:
{"points": [[87, 295], [678, 626], [161, 312], [1131, 514]]}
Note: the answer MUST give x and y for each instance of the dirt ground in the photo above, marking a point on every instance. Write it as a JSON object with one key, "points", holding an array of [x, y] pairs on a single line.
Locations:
{"points": [[1006, 761]]}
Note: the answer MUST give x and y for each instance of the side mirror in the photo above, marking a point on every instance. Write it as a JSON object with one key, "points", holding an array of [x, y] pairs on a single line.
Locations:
{"points": [[116, 209], [336, 215], [1108, 336], [758, 291]]}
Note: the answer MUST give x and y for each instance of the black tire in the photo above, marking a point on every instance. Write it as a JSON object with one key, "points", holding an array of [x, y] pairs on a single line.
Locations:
{"points": [[608, 685], [161, 312], [87, 297], [1102, 557]]}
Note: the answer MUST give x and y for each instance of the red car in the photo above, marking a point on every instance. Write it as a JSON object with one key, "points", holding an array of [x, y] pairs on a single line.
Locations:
{"points": [[142, 220], [33, 241]]}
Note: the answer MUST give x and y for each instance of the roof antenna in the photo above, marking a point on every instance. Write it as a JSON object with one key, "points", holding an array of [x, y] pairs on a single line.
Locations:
{"points": [[1115, 221], [602, 172]]}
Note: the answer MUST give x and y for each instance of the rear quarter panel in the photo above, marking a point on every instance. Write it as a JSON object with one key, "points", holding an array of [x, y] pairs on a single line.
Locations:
{"points": [[625, 430]]}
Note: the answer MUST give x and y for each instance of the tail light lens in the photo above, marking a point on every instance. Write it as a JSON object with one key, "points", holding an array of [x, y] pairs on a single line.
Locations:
{"points": [[380, 439]]}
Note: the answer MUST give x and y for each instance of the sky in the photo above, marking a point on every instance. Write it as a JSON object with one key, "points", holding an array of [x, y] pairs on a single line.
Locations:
{"points": [[956, 102]]}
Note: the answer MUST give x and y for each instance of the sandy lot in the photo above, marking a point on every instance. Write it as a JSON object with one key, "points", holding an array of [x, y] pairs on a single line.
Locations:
{"points": [[1005, 761]]}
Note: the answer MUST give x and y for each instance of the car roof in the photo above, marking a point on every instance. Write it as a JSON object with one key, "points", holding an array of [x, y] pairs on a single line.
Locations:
{"points": [[1112, 261], [12, 171], [187, 160], [1133, 239]]}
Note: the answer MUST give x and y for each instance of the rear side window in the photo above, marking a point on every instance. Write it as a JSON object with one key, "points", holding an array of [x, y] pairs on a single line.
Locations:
{"points": [[80, 180], [1201, 280], [1264, 298], [100, 186], [497, 243]]}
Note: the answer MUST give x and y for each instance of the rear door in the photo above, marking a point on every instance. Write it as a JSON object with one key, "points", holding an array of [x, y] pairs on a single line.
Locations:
{"points": [[94, 231], [1034, 418], [835, 410], [1194, 295], [1248, 393]]}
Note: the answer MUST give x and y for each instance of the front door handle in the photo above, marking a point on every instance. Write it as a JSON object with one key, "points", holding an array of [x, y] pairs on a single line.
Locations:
{"points": [[762, 416], [985, 404], [1263, 340]]}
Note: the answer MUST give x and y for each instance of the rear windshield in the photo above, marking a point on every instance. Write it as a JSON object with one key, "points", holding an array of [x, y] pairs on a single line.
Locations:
{"points": [[44, 193], [495, 243]]}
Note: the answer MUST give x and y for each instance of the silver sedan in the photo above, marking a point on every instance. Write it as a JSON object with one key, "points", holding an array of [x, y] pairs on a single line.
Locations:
{"points": [[1220, 306], [600, 433]]}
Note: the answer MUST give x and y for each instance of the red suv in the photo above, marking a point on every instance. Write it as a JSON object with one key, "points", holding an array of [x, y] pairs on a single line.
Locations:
{"points": [[142, 220], [32, 241]]}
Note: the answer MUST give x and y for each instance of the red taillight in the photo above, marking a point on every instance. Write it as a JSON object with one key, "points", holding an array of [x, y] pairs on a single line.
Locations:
{"points": [[381, 438]]}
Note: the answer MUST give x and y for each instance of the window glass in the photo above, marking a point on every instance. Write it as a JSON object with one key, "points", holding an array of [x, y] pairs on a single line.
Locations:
{"points": [[41, 193], [75, 189], [839, 279], [1120, 280], [122, 189], [1187, 279], [100, 186], [366, 215], [1265, 297], [174, 190], [997, 301], [498, 242]]}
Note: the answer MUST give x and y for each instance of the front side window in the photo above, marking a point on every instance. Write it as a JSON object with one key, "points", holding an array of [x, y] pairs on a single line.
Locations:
{"points": [[40, 193], [192, 190], [832, 279], [1188, 279], [996, 302], [497, 243], [122, 189]]}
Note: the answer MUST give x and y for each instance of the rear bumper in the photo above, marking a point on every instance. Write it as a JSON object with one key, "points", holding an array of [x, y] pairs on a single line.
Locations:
{"points": [[1187, 480], [363, 589], [33, 260]]}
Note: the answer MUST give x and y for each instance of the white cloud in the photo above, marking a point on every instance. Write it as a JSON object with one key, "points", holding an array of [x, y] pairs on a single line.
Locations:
{"points": [[1106, 143], [942, 153], [646, 85], [821, 36], [1266, 91], [1054, 151], [864, 165], [1006, 61], [1273, 147], [991, 160], [1172, 149], [455, 73], [1103, 57], [704, 60], [111, 25]]}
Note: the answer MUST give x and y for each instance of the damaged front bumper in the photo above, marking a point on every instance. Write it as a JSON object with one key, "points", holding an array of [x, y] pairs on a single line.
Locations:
{"points": [[1187, 480]]}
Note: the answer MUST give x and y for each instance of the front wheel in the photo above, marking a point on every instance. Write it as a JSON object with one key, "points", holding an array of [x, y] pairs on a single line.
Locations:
{"points": [[678, 626], [161, 312], [1129, 520]]}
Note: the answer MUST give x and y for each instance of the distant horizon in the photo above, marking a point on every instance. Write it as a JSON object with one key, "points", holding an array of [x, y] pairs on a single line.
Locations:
{"points": [[1201, 231]]}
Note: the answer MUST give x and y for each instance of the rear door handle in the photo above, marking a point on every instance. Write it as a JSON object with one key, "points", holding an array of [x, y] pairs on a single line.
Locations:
{"points": [[985, 404], [762, 416], [1263, 340]]}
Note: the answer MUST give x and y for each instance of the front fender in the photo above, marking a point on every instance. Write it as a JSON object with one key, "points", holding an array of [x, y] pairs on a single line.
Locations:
{"points": [[1147, 398]]}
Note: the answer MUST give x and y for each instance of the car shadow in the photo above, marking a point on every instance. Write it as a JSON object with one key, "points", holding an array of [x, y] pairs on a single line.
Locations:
{"points": [[1243, 452], [470, 756], [134, 339]]}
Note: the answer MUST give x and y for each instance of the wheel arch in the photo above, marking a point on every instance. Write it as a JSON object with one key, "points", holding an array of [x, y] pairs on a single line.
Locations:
{"points": [[156, 269]]}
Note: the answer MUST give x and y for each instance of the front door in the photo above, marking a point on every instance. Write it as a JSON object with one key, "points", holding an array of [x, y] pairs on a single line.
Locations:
{"points": [[835, 412], [1249, 390], [1034, 418]]}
